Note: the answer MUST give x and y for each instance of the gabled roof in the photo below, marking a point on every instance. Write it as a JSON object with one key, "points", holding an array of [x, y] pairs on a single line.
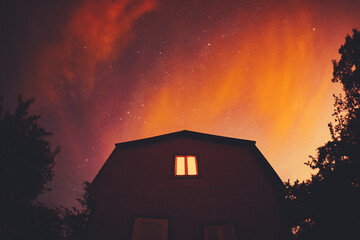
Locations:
{"points": [[205, 137], [186, 134]]}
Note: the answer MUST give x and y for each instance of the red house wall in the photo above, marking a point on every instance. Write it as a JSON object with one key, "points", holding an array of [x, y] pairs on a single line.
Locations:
{"points": [[234, 185]]}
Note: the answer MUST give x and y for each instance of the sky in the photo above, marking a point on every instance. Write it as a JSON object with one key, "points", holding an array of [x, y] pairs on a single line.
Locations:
{"points": [[110, 71]]}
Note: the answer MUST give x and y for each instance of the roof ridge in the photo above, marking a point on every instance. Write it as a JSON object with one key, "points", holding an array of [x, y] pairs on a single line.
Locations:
{"points": [[186, 133]]}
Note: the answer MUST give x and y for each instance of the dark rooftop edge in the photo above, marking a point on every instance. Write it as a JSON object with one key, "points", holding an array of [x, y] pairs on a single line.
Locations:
{"points": [[187, 133]]}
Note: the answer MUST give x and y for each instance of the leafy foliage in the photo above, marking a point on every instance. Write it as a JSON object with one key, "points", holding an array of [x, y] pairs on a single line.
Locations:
{"points": [[19, 222], [26, 158], [26, 162], [328, 205], [75, 220]]}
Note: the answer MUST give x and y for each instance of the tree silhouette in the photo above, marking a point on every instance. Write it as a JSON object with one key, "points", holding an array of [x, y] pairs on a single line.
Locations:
{"points": [[26, 162], [328, 205], [26, 157], [75, 220]]}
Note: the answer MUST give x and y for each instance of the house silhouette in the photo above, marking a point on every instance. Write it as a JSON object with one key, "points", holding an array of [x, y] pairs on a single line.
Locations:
{"points": [[187, 186]]}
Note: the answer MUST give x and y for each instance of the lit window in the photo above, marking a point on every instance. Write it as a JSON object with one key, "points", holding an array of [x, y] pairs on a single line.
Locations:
{"points": [[186, 166], [220, 232]]}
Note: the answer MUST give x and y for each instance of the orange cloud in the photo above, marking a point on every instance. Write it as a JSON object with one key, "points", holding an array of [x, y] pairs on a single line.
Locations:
{"points": [[65, 72], [267, 83], [96, 33], [265, 75]]}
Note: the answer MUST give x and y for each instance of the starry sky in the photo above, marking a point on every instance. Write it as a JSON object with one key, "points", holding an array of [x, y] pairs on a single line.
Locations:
{"points": [[109, 71]]}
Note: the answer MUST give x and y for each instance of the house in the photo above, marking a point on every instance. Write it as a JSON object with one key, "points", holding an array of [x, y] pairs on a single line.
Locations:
{"points": [[187, 186]]}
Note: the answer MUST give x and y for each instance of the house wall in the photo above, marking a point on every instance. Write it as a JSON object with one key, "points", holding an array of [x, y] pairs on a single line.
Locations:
{"points": [[233, 186]]}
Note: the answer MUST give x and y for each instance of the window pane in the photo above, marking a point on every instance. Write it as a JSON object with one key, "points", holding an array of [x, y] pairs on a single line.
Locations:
{"points": [[191, 163], [180, 166]]}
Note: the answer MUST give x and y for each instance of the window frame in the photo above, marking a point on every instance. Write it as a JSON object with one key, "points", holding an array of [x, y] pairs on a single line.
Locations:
{"points": [[186, 155]]}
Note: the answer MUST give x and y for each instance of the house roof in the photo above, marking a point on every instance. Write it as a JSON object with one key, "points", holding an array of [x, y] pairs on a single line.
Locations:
{"points": [[186, 134], [265, 165]]}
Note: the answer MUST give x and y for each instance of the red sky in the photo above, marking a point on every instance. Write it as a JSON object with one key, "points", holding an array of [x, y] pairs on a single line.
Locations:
{"points": [[110, 71]]}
